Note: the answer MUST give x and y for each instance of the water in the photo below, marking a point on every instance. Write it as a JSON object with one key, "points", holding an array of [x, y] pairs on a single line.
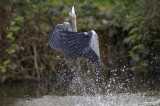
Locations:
{"points": [[123, 99], [44, 95]]}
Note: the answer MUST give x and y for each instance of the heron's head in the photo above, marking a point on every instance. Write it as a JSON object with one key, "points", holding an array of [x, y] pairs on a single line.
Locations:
{"points": [[72, 12]]}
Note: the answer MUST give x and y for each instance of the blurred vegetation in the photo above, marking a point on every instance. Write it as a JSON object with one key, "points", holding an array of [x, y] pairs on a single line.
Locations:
{"points": [[128, 31], [140, 19]]}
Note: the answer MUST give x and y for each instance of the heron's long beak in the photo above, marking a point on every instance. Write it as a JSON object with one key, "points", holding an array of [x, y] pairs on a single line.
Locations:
{"points": [[72, 10]]}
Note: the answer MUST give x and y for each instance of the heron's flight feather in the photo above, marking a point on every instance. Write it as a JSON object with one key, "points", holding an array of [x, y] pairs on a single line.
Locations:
{"points": [[76, 44]]}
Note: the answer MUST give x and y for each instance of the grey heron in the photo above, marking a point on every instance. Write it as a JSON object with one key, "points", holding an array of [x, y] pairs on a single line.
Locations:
{"points": [[75, 44]]}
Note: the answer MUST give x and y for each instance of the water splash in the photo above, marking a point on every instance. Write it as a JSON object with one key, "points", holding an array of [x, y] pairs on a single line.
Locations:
{"points": [[122, 99]]}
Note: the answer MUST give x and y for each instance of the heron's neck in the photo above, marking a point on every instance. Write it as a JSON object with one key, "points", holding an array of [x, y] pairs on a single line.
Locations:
{"points": [[74, 24]]}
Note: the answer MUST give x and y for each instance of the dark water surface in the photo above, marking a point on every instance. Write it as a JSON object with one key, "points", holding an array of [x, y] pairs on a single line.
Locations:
{"points": [[46, 95]]}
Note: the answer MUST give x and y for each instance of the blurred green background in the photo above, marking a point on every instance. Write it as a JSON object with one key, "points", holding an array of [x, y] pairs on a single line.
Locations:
{"points": [[128, 30]]}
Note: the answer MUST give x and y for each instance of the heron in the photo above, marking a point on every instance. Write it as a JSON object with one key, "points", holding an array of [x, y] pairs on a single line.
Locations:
{"points": [[75, 44]]}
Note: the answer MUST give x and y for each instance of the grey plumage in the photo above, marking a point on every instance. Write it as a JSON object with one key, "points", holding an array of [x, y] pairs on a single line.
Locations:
{"points": [[76, 44]]}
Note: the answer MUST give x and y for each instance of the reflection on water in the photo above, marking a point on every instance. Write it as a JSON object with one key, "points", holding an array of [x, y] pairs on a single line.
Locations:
{"points": [[45, 95]]}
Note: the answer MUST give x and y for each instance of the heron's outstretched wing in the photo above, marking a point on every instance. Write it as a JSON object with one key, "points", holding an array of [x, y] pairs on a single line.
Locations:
{"points": [[77, 44]]}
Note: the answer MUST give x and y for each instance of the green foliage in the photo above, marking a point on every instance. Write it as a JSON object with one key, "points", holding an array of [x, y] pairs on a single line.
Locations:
{"points": [[143, 64], [6, 1], [19, 19], [135, 57], [10, 51], [140, 19], [10, 36], [5, 64], [14, 28]]}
